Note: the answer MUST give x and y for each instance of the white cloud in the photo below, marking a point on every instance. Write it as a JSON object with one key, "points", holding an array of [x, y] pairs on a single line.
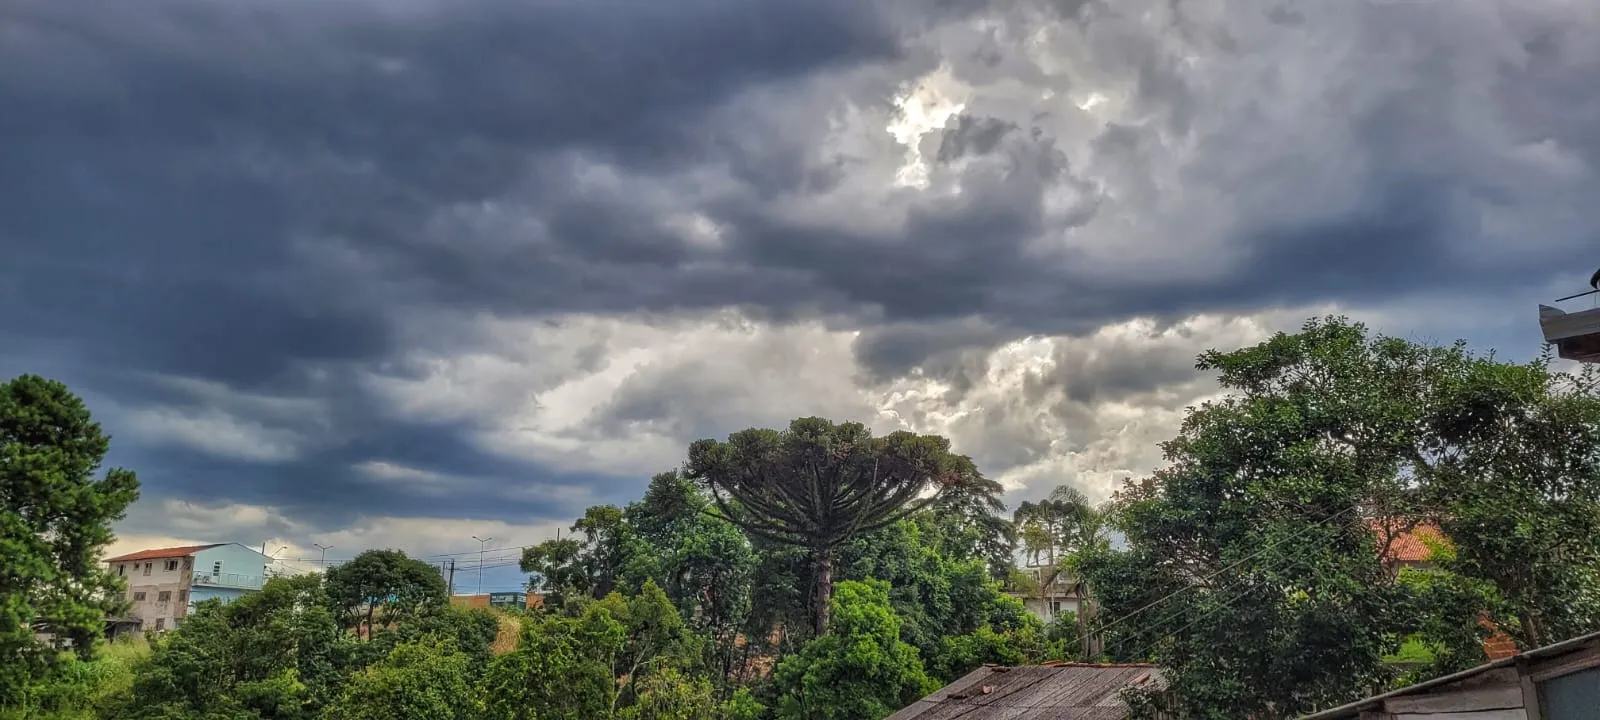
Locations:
{"points": [[293, 543], [212, 431], [1086, 410], [221, 421]]}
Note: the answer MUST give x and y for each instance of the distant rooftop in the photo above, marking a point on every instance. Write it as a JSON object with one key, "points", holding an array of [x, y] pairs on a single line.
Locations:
{"points": [[1411, 545], [1081, 691], [160, 553]]}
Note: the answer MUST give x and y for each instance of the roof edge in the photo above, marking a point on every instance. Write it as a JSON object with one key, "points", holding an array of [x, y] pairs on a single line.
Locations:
{"points": [[1539, 652]]}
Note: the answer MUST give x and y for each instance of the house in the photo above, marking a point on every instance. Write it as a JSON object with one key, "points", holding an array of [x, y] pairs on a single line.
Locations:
{"points": [[1054, 690], [164, 584], [1408, 547], [1555, 682], [1413, 547], [1054, 591]]}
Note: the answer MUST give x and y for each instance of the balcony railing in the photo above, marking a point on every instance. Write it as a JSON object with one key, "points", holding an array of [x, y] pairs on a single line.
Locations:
{"points": [[228, 580]]}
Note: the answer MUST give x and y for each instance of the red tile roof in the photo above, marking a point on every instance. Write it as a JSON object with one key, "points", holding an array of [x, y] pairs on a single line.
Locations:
{"points": [[1411, 546], [160, 553]]}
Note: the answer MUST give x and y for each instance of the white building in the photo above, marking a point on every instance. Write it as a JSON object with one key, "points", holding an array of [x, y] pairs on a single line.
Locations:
{"points": [[165, 583]]}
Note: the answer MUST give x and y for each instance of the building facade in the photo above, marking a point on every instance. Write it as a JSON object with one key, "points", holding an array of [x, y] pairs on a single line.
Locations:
{"points": [[164, 584], [1054, 592]]}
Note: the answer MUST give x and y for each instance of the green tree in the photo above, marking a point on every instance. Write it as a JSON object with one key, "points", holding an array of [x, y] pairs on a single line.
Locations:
{"points": [[472, 630], [588, 564], [671, 695], [277, 653], [590, 666], [817, 485], [387, 581], [1512, 475], [427, 680], [557, 671], [1058, 526], [969, 523], [860, 669], [559, 569], [1252, 573], [55, 519]]}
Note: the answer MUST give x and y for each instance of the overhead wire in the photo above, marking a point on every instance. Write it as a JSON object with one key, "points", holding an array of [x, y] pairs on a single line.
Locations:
{"points": [[1179, 613]]}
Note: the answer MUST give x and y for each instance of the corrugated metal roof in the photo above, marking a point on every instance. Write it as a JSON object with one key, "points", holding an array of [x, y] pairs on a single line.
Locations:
{"points": [[1351, 710], [1069, 691], [160, 553]]}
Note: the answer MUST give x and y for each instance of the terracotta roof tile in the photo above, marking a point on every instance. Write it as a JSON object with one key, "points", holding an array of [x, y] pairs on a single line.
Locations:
{"points": [[159, 553], [1411, 546]]}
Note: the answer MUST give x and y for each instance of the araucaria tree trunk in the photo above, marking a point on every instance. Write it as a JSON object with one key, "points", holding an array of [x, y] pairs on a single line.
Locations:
{"points": [[822, 593], [817, 484]]}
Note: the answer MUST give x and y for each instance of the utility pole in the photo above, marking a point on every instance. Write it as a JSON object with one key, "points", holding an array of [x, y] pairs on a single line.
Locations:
{"points": [[482, 542], [452, 580], [323, 561]]}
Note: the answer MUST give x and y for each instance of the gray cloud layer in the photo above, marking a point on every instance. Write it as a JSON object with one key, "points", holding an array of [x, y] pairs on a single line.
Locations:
{"points": [[266, 236]]}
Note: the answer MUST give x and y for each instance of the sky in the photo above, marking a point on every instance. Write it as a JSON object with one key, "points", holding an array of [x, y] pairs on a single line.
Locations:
{"points": [[397, 273]]}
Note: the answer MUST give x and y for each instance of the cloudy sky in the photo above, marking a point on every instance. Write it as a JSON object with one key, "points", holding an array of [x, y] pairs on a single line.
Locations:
{"points": [[394, 273]]}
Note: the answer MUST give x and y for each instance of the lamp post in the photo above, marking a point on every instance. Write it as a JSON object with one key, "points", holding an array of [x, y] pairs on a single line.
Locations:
{"points": [[323, 559], [482, 542]]}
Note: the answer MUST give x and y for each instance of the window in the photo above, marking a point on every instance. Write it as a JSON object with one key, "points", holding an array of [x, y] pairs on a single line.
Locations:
{"points": [[161, 623], [183, 596], [188, 563], [164, 596], [216, 568], [1055, 607], [172, 565], [147, 567], [138, 596], [120, 568]]}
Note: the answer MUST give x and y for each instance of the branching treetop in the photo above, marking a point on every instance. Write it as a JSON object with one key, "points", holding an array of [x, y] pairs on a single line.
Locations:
{"points": [[817, 483]]}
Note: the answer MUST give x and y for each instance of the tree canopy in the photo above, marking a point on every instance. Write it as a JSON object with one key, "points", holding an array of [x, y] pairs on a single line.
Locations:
{"points": [[818, 484], [55, 519], [386, 582], [1256, 567]]}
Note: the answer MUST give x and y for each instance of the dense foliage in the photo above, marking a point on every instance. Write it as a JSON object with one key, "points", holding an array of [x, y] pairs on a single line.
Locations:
{"points": [[55, 519], [1256, 563], [817, 485]]}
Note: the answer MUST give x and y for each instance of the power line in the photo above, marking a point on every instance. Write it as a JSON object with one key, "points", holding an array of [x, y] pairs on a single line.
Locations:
{"points": [[1180, 612], [1230, 566]]}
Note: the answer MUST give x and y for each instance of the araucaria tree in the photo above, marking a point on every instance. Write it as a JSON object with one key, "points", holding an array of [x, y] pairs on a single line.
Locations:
{"points": [[819, 484], [55, 518]]}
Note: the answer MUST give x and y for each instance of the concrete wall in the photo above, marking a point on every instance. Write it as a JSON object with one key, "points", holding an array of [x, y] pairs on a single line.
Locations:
{"points": [[1042, 608], [147, 581], [231, 565]]}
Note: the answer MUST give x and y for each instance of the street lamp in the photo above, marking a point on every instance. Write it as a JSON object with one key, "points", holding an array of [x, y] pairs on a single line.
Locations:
{"points": [[323, 560], [482, 542]]}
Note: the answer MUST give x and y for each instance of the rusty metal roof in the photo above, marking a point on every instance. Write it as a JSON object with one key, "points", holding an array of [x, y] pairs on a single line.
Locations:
{"points": [[1062, 691]]}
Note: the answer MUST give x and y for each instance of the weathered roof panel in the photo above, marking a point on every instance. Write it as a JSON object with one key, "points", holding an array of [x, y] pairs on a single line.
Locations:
{"points": [[1061, 692]]}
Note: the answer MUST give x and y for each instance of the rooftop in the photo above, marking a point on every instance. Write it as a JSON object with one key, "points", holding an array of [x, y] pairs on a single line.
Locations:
{"points": [[159, 553], [1356, 709], [1055, 691], [1411, 546]]}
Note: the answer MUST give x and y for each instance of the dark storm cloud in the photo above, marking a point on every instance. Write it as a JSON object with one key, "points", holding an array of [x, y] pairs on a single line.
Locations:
{"points": [[172, 170], [253, 192]]}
